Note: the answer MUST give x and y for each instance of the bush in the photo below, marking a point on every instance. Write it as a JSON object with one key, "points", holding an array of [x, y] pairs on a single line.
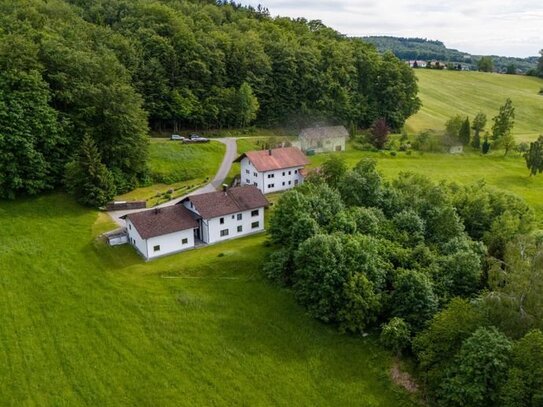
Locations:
{"points": [[393, 153], [395, 335]]}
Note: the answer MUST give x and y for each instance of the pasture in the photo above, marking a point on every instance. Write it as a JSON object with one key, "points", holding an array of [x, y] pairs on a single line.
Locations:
{"points": [[85, 324], [447, 93]]}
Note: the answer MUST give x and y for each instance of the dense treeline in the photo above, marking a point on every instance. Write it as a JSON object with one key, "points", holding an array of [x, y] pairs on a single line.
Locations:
{"points": [[451, 274], [108, 69]]}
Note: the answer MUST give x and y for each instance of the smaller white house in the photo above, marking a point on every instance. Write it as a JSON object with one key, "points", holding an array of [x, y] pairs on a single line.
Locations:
{"points": [[227, 214], [273, 170], [161, 231]]}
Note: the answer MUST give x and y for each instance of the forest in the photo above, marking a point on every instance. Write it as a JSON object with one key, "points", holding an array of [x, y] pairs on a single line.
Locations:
{"points": [[82, 83], [449, 275]]}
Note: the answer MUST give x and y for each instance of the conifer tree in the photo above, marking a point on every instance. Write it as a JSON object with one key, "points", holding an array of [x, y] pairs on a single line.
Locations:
{"points": [[465, 132], [534, 157], [87, 178]]}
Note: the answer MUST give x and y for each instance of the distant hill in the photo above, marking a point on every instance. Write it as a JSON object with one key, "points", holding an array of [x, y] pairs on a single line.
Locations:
{"points": [[446, 93], [424, 49]]}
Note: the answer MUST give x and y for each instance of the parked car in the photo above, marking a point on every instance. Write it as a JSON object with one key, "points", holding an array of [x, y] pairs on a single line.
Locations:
{"points": [[177, 137], [195, 138]]}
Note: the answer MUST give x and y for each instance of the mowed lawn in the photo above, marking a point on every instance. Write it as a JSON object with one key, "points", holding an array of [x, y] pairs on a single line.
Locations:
{"points": [[172, 161], [85, 324], [507, 173], [447, 93]]}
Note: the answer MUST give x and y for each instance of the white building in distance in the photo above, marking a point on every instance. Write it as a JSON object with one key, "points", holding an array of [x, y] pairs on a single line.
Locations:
{"points": [[323, 139], [273, 170]]}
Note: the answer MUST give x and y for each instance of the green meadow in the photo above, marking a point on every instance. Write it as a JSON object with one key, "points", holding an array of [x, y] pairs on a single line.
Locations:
{"points": [[447, 93], [172, 161], [506, 173], [82, 323]]}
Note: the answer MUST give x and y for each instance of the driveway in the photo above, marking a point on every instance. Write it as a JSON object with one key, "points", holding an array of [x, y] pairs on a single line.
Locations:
{"points": [[229, 156]]}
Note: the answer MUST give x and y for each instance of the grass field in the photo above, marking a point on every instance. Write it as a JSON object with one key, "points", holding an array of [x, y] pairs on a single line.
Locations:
{"points": [[507, 173], [85, 324], [446, 93], [173, 161]]}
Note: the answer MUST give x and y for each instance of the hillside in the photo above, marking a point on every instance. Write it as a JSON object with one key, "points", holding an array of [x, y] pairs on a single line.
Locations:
{"points": [[85, 324], [423, 49], [446, 93]]}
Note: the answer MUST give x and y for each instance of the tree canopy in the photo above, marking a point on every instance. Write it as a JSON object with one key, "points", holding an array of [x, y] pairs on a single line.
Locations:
{"points": [[113, 69]]}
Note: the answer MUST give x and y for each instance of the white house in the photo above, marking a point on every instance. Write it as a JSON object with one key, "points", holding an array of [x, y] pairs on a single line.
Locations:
{"points": [[323, 139], [227, 214], [203, 218], [273, 170], [161, 231]]}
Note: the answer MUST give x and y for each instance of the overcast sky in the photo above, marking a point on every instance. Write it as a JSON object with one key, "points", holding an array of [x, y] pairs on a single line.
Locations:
{"points": [[499, 27]]}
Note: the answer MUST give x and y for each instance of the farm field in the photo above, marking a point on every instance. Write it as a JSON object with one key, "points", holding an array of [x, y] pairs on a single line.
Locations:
{"points": [[172, 161], [447, 93], [507, 173], [85, 324]]}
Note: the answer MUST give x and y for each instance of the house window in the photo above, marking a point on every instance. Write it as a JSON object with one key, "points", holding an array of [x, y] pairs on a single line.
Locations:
{"points": [[254, 213], [290, 182], [184, 241], [256, 184], [283, 173], [240, 229], [247, 180], [271, 175], [156, 248], [283, 183], [239, 216], [271, 185], [247, 171], [233, 216], [255, 174], [295, 171], [130, 227], [221, 221], [290, 172], [254, 225], [224, 232]]}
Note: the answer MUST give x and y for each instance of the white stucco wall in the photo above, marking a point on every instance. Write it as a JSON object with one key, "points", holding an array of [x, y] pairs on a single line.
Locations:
{"points": [[170, 243], [135, 239], [270, 181], [231, 222]]}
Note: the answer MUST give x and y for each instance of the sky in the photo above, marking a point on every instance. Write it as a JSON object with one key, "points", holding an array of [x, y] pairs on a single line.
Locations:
{"points": [[480, 27]]}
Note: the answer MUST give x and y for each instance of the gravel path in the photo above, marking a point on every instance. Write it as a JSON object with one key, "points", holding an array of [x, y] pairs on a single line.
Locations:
{"points": [[229, 156]]}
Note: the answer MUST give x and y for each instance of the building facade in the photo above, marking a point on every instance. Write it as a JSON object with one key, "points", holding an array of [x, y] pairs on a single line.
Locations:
{"points": [[161, 231], [273, 170], [323, 139], [227, 214]]}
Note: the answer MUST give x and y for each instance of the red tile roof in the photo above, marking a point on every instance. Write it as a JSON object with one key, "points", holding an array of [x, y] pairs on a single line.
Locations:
{"points": [[280, 158], [161, 221], [220, 203]]}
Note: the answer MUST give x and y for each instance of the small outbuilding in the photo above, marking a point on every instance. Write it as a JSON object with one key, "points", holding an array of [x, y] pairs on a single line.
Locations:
{"points": [[323, 139]]}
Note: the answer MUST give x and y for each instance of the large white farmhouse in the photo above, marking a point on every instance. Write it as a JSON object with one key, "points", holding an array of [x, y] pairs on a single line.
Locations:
{"points": [[227, 214], [273, 170], [204, 218]]}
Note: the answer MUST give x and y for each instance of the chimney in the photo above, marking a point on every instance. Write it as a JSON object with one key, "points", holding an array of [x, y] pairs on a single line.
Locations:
{"points": [[269, 152], [225, 188], [157, 211]]}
